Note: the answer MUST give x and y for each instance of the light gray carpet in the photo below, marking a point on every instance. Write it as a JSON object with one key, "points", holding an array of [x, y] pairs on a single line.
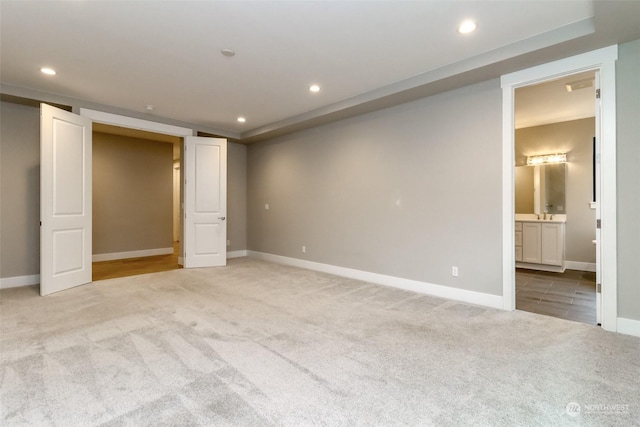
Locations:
{"points": [[257, 344]]}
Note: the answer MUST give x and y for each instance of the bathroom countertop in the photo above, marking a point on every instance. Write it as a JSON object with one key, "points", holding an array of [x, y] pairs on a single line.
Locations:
{"points": [[557, 218]]}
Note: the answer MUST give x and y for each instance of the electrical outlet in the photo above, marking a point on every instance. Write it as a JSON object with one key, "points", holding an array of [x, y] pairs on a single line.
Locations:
{"points": [[304, 249], [454, 271], [266, 206], [228, 242]]}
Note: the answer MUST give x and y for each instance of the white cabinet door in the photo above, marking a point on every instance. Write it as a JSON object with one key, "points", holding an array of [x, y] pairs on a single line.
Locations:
{"points": [[205, 195], [518, 253], [552, 240], [531, 245], [65, 200]]}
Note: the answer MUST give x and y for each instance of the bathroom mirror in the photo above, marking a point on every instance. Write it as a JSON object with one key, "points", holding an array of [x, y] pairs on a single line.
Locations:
{"points": [[540, 188]]}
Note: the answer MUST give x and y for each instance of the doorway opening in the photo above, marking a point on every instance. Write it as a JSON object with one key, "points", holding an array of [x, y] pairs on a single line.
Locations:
{"points": [[602, 61], [136, 189], [555, 214]]}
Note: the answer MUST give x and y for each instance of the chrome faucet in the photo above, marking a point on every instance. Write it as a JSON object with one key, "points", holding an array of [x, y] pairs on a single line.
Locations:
{"points": [[545, 215], [550, 217], [538, 216]]}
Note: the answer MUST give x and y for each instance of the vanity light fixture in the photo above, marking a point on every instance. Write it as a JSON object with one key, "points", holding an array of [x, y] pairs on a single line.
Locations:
{"points": [[547, 159]]}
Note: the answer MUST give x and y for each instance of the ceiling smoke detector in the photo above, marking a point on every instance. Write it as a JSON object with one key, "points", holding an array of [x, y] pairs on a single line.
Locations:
{"points": [[228, 52], [579, 84]]}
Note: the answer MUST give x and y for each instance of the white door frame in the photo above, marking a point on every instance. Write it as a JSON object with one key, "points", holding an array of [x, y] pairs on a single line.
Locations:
{"points": [[139, 124], [604, 61]]}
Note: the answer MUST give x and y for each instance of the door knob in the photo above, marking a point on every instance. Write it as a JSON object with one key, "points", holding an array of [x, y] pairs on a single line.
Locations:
{"points": [[222, 217]]}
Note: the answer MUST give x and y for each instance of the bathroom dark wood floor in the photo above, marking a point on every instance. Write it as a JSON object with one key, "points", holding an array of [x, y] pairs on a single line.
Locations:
{"points": [[570, 295]]}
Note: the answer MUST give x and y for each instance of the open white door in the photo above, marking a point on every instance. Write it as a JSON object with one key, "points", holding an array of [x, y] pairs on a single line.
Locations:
{"points": [[65, 200], [597, 171], [205, 197]]}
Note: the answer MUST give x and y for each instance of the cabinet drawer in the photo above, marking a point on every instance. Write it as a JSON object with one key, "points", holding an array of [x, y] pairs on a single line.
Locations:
{"points": [[518, 253], [518, 226], [519, 238]]}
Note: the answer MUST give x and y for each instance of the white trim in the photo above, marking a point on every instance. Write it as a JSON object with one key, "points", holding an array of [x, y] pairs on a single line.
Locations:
{"points": [[133, 123], [236, 254], [18, 281], [581, 266], [477, 298], [544, 72], [629, 326], [131, 254], [604, 61], [508, 201]]}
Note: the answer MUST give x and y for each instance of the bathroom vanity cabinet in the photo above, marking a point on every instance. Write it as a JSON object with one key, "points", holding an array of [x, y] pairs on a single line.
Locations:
{"points": [[540, 245]]}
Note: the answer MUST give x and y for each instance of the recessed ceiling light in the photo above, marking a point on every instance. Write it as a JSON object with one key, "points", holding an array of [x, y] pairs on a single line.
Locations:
{"points": [[48, 71], [314, 88], [467, 27], [241, 120], [228, 52]]}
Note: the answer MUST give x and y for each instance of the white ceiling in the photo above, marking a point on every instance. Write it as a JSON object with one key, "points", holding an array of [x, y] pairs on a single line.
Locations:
{"points": [[365, 55], [550, 102]]}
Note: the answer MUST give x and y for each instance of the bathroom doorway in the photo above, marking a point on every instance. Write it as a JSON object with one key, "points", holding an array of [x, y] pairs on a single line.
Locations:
{"points": [[602, 61], [555, 123]]}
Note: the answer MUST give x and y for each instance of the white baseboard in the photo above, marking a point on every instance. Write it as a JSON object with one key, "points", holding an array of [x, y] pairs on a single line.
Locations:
{"points": [[15, 282], [472, 297], [131, 254], [236, 254], [582, 266], [628, 326]]}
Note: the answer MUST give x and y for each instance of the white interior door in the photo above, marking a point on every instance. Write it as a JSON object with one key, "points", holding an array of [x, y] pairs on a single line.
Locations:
{"points": [[597, 200], [65, 200], [205, 197]]}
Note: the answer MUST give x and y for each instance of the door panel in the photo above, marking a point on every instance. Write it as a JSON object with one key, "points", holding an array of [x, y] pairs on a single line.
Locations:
{"points": [[65, 200], [598, 180], [205, 202], [531, 243], [552, 244]]}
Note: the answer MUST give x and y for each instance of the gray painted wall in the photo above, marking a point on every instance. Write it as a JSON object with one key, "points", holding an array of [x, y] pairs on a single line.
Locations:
{"points": [[132, 194], [237, 196], [19, 190], [408, 191], [628, 169], [575, 138]]}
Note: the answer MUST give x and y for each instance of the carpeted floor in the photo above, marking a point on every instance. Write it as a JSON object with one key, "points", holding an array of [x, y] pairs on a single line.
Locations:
{"points": [[257, 344]]}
